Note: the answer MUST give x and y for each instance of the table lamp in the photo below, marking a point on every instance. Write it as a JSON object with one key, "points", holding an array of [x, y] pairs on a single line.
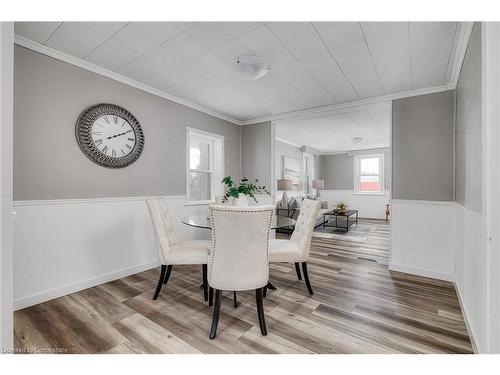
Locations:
{"points": [[318, 185], [284, 185]]}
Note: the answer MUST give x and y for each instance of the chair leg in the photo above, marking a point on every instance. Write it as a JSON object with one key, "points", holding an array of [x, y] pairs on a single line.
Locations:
{"points": [[271, 286], [167, 276], [260, 310], [216, 314], [160, 281], [264, 291], [297, 270], [205, 281], [306, 278], [234, 300], [210, 296]]}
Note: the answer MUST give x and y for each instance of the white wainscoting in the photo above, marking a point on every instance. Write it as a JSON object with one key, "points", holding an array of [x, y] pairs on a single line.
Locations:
{"points": [[470, 275], [423, 238], [369, 206], [62, 246]]}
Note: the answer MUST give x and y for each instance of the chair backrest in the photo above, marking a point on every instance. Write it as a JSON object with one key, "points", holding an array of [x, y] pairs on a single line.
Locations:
{"points": [[162, 225], [304, 226], [239, 258]]}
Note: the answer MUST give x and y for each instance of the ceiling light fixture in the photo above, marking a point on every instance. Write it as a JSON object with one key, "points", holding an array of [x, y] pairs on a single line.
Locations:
{"points": [[356, 139], [251, 68]]}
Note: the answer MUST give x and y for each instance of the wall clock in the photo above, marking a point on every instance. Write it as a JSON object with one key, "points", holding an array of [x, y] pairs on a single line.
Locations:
{"points": [[109, 135]]}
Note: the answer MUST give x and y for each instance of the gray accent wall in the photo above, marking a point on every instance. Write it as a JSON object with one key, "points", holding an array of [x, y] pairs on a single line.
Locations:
{"points": [[423, 147], [338, 170], [256, 152], [49, 95], [468, 171]]}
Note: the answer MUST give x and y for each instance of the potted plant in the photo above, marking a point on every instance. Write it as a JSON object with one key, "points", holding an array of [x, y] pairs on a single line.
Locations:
{"points": [[341, 207], [239, 193]]}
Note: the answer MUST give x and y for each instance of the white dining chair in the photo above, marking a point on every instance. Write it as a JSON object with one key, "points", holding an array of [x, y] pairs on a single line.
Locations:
{"points": [[239, 257], [171, 250], [297, 248]]}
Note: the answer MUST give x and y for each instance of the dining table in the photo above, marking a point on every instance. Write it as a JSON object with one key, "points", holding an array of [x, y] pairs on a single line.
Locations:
{"points": [[203, 221]]}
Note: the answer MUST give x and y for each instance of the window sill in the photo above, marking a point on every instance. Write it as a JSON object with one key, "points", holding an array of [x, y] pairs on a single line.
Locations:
{"points": [[374, 193]]}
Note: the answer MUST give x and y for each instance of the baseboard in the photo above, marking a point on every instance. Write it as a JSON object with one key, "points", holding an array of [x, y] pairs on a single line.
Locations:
{"points": [[466, 320], [421, 272], [47, 295]]}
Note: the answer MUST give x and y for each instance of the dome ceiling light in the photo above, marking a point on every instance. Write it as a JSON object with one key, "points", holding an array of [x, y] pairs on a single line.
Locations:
{"points": [[251, 68], [356, 139]]}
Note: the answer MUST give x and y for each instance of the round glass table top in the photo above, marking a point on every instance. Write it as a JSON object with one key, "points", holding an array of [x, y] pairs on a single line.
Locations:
{"points": [[203, 221]]}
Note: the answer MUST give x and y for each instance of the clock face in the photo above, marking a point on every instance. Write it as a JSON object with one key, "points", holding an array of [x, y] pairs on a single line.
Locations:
{"points": [[113, 136], [109, 135]]}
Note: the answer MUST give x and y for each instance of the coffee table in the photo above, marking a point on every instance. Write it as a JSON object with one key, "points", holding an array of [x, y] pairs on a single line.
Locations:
{"points": [[344, 223]]}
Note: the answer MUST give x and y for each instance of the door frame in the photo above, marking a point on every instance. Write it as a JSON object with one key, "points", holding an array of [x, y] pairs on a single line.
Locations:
{"points": [[6, 186]]}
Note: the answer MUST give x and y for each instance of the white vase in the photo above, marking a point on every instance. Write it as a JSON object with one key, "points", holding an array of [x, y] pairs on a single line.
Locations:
{"points": [[241, 201]]}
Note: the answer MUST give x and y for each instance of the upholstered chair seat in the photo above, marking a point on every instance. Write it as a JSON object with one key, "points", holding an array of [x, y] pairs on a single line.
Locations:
{"points": [[239, 256], [189, 252], [284, 251], [171, 250], [297, 248]]}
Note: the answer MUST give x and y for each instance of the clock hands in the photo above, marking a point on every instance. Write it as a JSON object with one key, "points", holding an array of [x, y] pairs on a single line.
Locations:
{"points": [[117, 135]]}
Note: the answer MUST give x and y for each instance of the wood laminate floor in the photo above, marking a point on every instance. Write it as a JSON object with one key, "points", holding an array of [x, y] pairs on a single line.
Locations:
{"points": [[358, 306]]}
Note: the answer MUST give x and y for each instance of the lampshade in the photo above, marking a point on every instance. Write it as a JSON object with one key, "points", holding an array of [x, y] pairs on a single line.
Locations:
{"points": [[285, 184], [318, 184]]}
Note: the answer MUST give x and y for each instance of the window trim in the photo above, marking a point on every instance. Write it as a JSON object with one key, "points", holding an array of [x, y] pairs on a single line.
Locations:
{"points": [[357, 173], [217, 167]]}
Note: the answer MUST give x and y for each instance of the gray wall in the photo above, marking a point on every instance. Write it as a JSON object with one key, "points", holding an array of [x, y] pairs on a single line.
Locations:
{"points": [[338, 171], [468, 179], [48, 164], [256, 152], [423, 147], [284, 149]]}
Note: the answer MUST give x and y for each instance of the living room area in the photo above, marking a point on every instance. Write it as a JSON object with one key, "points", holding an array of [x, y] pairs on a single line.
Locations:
{"points": [[343, 159]]}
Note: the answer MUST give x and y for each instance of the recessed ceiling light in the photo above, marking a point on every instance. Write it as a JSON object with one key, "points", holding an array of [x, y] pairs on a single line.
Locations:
{"points": [[251, 68], [356, 139]]}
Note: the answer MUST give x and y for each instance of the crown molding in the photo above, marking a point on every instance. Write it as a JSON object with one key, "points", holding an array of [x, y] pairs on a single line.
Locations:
{"points": [[361, 151], [51, 52], [461, 48], [349, 105], [288, 142]]}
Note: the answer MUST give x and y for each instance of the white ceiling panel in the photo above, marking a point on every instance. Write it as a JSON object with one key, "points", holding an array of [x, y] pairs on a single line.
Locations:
{"points": [[259, 39], [341, 33], [239, 28], [311, 64], [288, 31], [181, 48], [306, 45], [209, 34], [80, 38], [158, 32], [121, 48], [37, 31]]}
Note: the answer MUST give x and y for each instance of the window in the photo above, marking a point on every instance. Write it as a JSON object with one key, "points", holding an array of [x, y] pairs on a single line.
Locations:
{"points": [[205, 166], [369, 174]]}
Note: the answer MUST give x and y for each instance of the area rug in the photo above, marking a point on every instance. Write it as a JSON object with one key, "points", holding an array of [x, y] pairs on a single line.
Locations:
{"points": [[357, 233]]}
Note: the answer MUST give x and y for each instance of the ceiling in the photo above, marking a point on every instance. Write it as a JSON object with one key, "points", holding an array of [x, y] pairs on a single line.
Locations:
{"points": [[312, 64], [334, 132]]}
